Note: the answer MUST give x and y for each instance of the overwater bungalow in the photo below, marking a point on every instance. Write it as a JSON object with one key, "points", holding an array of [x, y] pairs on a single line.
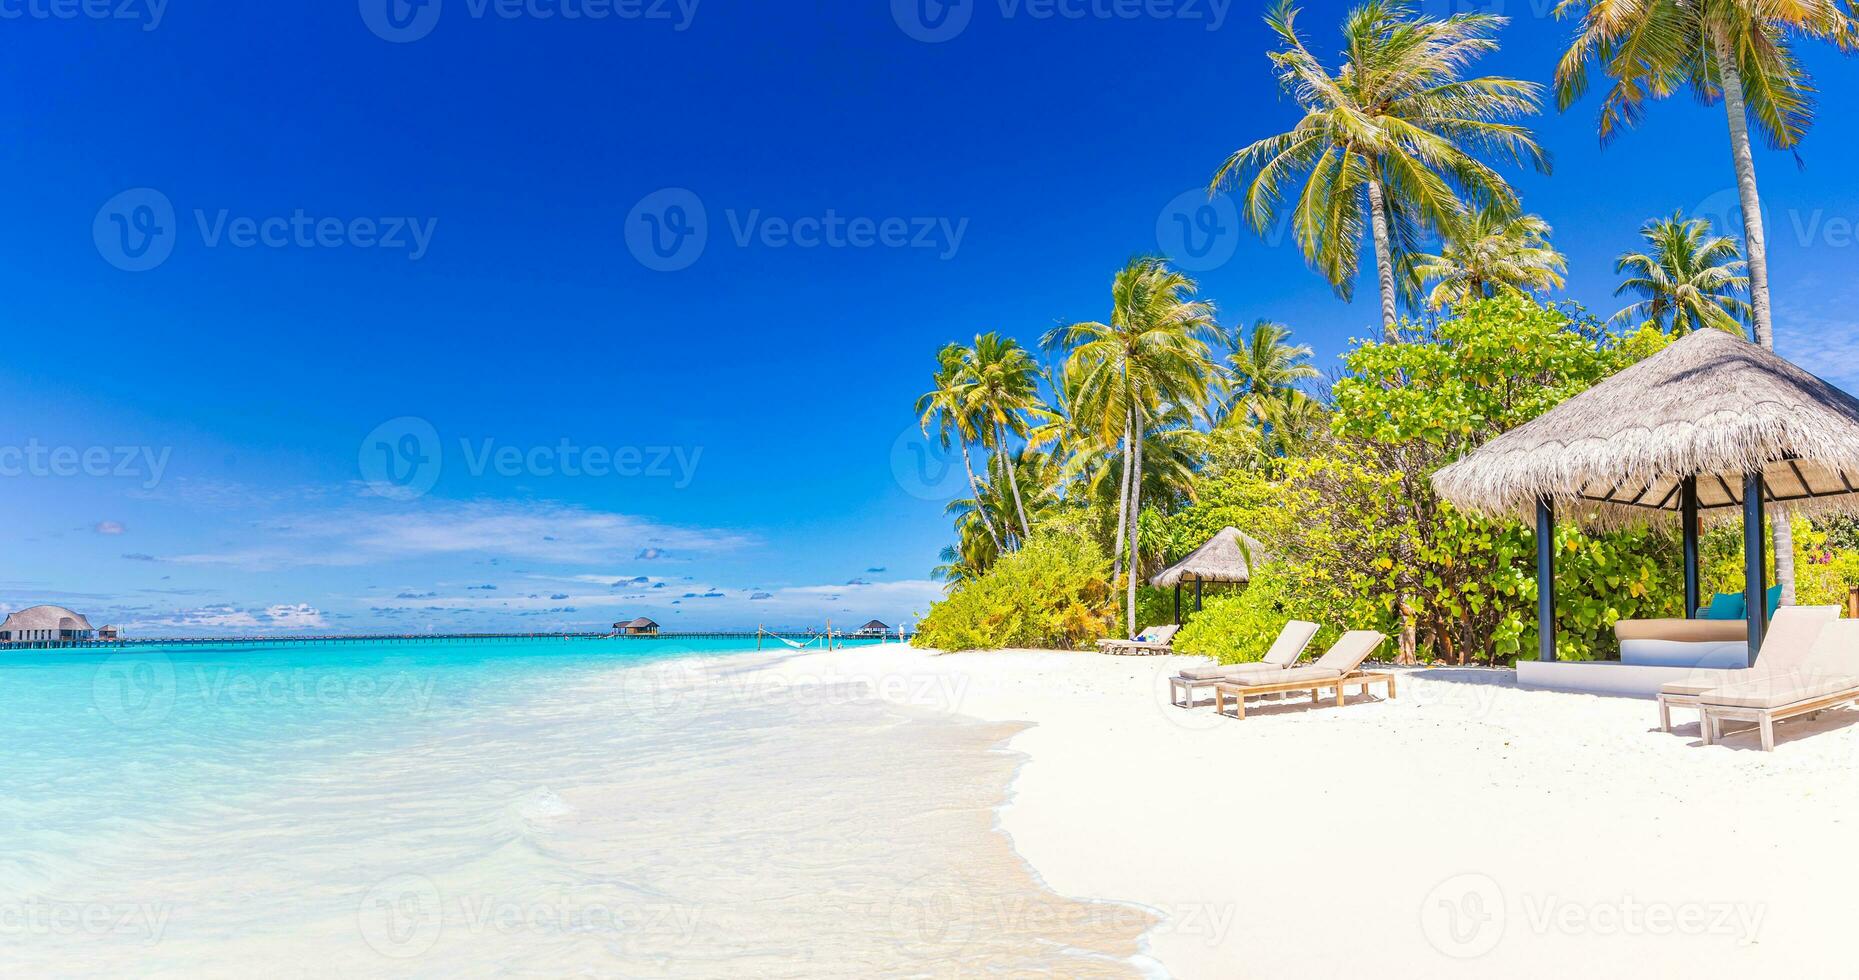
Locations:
{"points": [[638, 627], [873, 630], [45, 624]]}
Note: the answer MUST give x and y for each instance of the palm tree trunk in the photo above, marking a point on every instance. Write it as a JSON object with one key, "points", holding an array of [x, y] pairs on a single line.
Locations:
{"points": [[1756, 249], [1123, 505], [1013, 482], [1384, 260], [974, 488], [1391, 330], [1136, 509]]}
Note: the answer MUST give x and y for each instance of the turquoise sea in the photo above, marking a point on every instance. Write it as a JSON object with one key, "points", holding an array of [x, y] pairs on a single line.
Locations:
{"points": [[535, 807]]}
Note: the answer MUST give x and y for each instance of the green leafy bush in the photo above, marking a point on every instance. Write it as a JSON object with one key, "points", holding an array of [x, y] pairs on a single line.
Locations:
{"points": [[1053, 593], [1239, 627]]}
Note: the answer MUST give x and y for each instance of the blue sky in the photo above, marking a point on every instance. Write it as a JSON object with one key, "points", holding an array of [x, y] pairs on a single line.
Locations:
{"points": [[300, 278]]}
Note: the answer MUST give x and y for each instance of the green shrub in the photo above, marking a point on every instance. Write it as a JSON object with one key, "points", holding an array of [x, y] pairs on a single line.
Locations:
{"points": [[1053, 593], [1238, 627]]}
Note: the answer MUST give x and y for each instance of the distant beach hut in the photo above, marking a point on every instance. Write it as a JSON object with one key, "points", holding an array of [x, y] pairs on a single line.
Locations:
{"points": [[1228, 557], [1709, 427], [638, 627], [45, 624], [107, 633], [873, 630]]}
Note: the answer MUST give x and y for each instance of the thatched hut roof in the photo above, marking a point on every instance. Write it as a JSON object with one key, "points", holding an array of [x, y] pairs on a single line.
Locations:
{"points": [[1226, 557], [875, 625], [1711, 405], [642, 623], [45, 618]]}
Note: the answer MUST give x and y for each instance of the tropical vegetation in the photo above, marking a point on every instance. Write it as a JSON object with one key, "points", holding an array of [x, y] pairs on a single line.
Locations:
{"points": [[1148, 431], [1736, 52]]}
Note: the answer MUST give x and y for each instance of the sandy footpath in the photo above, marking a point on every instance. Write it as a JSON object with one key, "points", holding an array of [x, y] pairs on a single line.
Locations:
{"points": [[1465, 829]]}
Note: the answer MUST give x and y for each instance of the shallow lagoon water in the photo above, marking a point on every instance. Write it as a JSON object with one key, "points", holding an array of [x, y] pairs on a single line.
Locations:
{"points": [[532, 807]]}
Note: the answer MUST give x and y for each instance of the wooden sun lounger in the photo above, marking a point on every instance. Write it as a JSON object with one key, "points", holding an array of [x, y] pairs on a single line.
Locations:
{"points": [[1162, 641], [1789, 643], [1184, 687], [1768, 701], [1339, 668], [1316, 686]]}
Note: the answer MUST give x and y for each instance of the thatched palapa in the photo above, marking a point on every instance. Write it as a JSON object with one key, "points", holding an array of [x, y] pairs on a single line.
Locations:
{"points": [[1226, 557], [1711, 406]]}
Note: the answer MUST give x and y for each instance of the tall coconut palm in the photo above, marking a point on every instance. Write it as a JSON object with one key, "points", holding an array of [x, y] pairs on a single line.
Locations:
{"points": [[994, 502], [1002, 386], [1490, 253], [945, 410], [1737, 51], [1264, 365], [1152, 353], [1396, 130], [1690, 279]]}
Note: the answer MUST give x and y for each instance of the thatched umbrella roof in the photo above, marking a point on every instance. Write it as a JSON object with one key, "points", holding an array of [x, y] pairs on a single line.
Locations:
{"points": [[1226, 557], [1711, 405]]}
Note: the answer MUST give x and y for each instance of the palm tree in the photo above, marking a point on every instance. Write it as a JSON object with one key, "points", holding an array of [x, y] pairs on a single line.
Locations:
{"points": [[1265, 365], [1490, 253], [945, 408], [1002, 386], [1739, 51], [975, 550], [1690, 279], [1152, 353], [1396, 128]]}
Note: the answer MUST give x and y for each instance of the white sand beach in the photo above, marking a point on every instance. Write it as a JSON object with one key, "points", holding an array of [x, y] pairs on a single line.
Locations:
{"points": [[1467, 828]]}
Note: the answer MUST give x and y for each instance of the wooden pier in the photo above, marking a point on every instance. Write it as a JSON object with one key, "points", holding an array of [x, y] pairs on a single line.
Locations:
{"points": [[411, 638]]}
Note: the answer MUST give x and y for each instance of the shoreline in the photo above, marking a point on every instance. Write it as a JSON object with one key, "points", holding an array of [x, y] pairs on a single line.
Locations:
{"points": [[1469, 828]]}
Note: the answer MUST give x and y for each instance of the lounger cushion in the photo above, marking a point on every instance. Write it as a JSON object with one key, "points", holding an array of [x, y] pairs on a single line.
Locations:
{"points": [[1792, 635], [1351, 650], [1779, 692], [1232, 672], [1311, 673], [1681, 630], [1290, 644], [1691, 687]]}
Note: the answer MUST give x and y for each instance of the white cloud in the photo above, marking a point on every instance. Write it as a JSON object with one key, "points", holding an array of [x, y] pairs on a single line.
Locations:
{"points": [[225, 620], [1823, 338], [546, 532]]}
